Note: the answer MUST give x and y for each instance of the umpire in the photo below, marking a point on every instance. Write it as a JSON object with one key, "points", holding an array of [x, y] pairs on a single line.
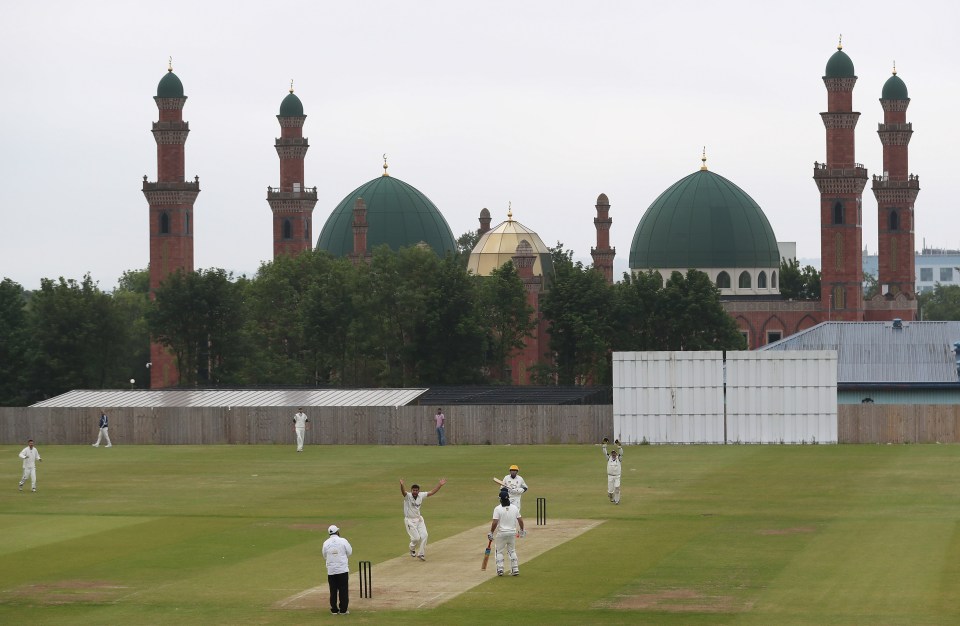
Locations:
{"points": [[336, 551]]}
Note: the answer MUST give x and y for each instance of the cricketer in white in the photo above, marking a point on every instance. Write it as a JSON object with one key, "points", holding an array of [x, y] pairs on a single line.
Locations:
{"points": [[503, 531], [614, 469], [412, 519], [30, 456], [515, 485], [300, 420]]}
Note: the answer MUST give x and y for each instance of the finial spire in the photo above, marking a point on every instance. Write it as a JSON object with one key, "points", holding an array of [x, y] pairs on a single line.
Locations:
{"points": [[169, 64], [509, 211], [291, 85], [840, 42], [703, 160], [894, 67], [385, 166]]}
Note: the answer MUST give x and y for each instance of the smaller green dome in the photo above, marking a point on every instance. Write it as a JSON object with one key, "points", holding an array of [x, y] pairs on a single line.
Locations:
{"points": [[894, 89], [291, 106], [170, 86], [839, 66]]}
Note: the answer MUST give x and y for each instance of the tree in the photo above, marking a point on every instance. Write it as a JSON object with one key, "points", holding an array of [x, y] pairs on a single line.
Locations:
{"points": [[14, 344], [693, 317], [871, 286], [797, 284], [132, 300], [941, 304], [466, 243], [506, 316]]}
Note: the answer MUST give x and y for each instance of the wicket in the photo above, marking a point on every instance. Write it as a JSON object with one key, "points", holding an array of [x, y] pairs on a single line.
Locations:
{"points": [[366, 579], [541, 511]]}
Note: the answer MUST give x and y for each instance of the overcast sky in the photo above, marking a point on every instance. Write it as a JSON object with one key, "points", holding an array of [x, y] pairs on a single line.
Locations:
{"points": [[542, 104]]}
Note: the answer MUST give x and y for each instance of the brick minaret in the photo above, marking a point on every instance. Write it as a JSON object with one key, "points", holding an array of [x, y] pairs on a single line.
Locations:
{"points": [[536, 344], [896, 191], [360, 227], [171, 201], [841, 181], [292, 203], [484, 221], [603, 254]]}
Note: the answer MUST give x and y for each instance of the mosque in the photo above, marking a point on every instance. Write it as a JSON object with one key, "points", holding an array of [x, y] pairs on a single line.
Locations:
{"points": [[703, 221]]}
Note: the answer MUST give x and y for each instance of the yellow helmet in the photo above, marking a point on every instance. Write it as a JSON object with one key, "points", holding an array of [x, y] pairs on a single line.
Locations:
{"points": [[514, 467]]}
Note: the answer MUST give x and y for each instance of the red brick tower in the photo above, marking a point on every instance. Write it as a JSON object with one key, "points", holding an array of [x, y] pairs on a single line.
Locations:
{"points": [[484, 221], [360, 227], [534, 345], [603, 254], [841, 181], [171, 201], [896, 191], [292, 203]]}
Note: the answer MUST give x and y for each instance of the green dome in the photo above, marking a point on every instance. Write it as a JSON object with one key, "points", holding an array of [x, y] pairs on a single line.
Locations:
{"points": [[291, 106], [703, 221], [170, 86], [894, 89], [839, 66], [397, 215]]}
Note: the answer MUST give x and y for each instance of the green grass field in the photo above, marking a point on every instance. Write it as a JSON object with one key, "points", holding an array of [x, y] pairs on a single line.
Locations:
{"points": [[704, 535]]}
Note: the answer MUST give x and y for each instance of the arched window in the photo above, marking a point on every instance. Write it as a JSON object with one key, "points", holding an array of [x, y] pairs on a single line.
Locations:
{"points": [[838, 213], [287, 229], [723, 280], [187, 223], [894, 220], [773, 280], [838, 298], [164, 223], [306, 229], [744, 280], [762, 280]]}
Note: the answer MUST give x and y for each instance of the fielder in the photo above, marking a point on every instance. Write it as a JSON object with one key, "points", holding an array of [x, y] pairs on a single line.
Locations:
{"points": [[104, 431], [614, 469], [504, 533], [300, 421], [412, 519], [30, 456], [515, 485]]}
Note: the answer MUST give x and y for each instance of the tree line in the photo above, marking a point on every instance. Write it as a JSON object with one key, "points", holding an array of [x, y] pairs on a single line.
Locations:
{"points": [[406, 318]]}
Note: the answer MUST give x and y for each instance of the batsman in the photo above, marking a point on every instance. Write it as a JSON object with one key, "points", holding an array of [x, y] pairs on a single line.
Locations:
{"points": [[614, 469], [506, 526]]}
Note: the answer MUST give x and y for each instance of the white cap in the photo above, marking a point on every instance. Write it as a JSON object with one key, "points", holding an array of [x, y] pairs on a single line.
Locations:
{"points": [[333, 529]]}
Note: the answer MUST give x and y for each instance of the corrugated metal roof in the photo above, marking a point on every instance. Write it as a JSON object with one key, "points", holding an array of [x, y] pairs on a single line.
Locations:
{"points": [[233, 397], [875, 352]]}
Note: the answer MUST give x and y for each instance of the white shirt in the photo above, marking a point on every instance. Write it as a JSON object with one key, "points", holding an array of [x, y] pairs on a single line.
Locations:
{"points": [[301, 419], [30, 457], [516, 486], [507, 517], [411, 507], [614, 467], [336, 549]]}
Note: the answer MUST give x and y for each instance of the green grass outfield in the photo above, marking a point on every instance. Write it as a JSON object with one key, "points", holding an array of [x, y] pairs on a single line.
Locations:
{"points": [[704, 535]]}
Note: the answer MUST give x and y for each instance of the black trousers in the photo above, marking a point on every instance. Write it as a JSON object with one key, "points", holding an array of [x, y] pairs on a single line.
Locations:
{"points": [[339, 585]]}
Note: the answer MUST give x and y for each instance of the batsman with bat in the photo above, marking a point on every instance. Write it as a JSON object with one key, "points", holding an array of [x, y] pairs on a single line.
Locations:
{"points": [[503, 533], [614, 469], [515, 485]]}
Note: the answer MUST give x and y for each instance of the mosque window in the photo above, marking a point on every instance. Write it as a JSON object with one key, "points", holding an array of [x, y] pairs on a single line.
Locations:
{"points": [[773, 280], [838, 252], [287, 229], [164, 223], [838, 213], [723, 280], [894, 220], [774, 335], [306, 229], [762, 280], [838, 298], [744, 281], [187, 223]]}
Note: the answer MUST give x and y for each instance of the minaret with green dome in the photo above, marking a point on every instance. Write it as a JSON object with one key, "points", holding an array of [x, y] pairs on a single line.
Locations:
{"points": [[841, 181], [292, 202], [896, 191], [171, 201]]}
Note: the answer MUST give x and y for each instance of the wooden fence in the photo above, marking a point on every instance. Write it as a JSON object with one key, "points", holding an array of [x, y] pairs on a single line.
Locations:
{"points": [[413, 425], [408, 425]]}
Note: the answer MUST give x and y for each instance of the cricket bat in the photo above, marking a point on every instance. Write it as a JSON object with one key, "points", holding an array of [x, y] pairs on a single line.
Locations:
{"points": [[486, 555], [498, 481]]}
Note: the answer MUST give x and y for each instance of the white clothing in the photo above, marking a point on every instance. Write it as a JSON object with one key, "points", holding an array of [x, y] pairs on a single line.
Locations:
{"points": [[505, 539], [104, 434], [614, 470], [413, 522], [300, 420], [30, 457], [507, 517], [336, 551], [516, 487]]}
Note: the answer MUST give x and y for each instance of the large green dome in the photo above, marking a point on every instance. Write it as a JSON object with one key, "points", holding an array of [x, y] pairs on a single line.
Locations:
{"points": [[894, 89], [397, 215], [704, 221], [291, 106], [170, 86], [839, 66]]}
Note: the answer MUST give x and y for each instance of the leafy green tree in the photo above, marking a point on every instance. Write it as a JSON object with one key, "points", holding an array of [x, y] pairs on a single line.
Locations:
{"points": [[505, 315], [871, 286], [466, 243], [132, 300], [638, 318], [941, 304], [693, 317], [14, 344], [797, 283]]}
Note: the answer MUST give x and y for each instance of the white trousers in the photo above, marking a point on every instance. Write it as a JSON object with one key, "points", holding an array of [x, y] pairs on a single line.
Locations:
{"points": [[418, 534], [104, 434], [613, 488], [515, 501], [300, 438], [31, 473], [507, 542]]}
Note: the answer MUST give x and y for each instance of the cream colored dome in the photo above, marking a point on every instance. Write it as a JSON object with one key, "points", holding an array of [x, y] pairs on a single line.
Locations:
{"points": [[498, 245]]}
